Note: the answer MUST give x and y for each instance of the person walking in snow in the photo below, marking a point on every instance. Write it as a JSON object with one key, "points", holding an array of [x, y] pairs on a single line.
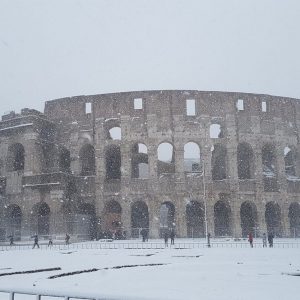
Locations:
{"points": [[36, 241], [67, 239], [172, 236], [166, 238], [50, 243], [250, 239], [270, 239], [11, 240], [264, 240]]}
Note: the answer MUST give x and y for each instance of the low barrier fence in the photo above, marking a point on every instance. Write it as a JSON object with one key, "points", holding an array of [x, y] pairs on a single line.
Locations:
{"points": [[146, 245], [15, 294]]}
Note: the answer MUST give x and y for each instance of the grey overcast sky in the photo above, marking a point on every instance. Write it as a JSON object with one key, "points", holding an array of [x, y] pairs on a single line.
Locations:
{"points": [[58, 48]]}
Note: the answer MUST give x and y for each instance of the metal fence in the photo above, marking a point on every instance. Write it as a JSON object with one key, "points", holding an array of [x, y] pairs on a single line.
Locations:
{"points": [[40, 295], [146, 245]]}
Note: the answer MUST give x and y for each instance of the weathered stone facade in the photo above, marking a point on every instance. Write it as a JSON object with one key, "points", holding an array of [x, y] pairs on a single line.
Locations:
{"points": [[90, 164]]}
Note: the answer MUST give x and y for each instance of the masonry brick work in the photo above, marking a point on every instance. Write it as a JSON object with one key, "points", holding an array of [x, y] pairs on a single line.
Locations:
{"points": [[90, 166]]}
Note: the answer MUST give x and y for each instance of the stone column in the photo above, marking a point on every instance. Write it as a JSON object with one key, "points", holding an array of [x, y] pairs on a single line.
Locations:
{"points": [[154, 214], [180, 217]]}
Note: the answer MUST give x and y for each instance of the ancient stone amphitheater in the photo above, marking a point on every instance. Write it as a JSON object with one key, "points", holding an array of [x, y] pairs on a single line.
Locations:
{"points": [[113, 164]]}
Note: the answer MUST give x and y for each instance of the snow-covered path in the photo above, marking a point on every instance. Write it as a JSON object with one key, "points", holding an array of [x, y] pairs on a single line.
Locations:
{"points": [[216, 273]]}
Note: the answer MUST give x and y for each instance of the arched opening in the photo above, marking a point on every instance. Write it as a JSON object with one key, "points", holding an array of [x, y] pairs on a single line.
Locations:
{"points": [[139, 161], [215, 131], [139, 218], [248, 215], [49, 157], [294, 216], [13, 221], [86, 221], [114, 133], [273, 218], [112, 219], [41, 215], [269, 161], [64, 160], [290, 160], [245, 161], [16, 157], [87, 160], [219, 162], [192, 162], [167, 218], [222, 218], [113, 162], [113, 129], [166, 158], [195, 219]]}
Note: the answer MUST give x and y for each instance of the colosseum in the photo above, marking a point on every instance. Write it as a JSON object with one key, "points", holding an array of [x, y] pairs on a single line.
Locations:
{"points": [[113, 164]]}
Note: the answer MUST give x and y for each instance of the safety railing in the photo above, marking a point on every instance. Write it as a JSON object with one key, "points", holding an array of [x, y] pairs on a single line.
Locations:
{"points": [[15, 294], [146, 245]]}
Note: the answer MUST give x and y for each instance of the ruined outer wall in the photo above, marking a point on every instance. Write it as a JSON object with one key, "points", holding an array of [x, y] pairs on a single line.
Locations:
{"points": [[164, 119]]}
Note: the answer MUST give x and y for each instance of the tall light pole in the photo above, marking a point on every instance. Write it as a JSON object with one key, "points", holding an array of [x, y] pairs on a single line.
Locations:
{"points": [[204, 193], [205, 205]]}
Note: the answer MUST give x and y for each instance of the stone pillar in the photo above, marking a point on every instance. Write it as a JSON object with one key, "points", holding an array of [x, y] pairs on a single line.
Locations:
{"points": [[180, 217], [236, 216], [261, 221], [126, 217], [154, 214]]}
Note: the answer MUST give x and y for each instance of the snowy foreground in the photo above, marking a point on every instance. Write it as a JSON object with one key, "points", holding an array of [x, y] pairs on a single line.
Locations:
{"points": [[215, 273]]}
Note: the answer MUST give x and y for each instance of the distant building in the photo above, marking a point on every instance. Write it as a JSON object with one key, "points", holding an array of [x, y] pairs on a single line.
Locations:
{"points": [[113, 164]]}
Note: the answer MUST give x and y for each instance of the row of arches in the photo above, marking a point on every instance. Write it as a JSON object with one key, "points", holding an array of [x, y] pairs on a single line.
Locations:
{"points": [[166, 160], [83, 220], [80, 220]]}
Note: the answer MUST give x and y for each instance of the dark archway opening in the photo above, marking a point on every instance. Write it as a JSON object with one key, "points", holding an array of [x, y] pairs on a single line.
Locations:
{"points": [[245, 161], [222, 219], [16, 157], [13, 221], [87, 159], [112, 220], [113, 162], [273, 218], [42, 218], [139, 218], [167, 218], [195, 219], [248, 215], [64, 160], [294, 216]]}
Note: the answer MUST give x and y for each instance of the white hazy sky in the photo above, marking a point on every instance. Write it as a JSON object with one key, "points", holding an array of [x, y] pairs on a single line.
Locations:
{"points": [[57, 48]]}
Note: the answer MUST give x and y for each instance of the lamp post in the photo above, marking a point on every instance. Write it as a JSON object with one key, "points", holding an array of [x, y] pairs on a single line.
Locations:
{"points": [[205, 206]]}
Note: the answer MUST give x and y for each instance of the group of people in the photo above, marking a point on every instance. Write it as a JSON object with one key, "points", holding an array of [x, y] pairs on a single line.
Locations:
{"points": [[50, 242], [264, 239]]}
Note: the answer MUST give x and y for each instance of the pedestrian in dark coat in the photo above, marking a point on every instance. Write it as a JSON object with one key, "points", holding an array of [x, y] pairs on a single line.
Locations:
{"points": [[264, 240], [166, 238], [50, 243], [250, 239], [36, 241], [11, 240], [67, 239], [172, 236], [143, 234], [270, 239]]}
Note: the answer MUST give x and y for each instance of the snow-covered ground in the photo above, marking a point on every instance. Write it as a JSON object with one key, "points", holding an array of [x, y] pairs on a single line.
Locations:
{"points": [[199, 273]]}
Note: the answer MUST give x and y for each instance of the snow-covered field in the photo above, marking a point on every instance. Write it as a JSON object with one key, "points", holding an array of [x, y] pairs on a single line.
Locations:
{"points": [[215, 273]]}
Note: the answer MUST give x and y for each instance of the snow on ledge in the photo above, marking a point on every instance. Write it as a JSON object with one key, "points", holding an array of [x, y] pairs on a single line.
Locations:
{"points": [[17, 126]]}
